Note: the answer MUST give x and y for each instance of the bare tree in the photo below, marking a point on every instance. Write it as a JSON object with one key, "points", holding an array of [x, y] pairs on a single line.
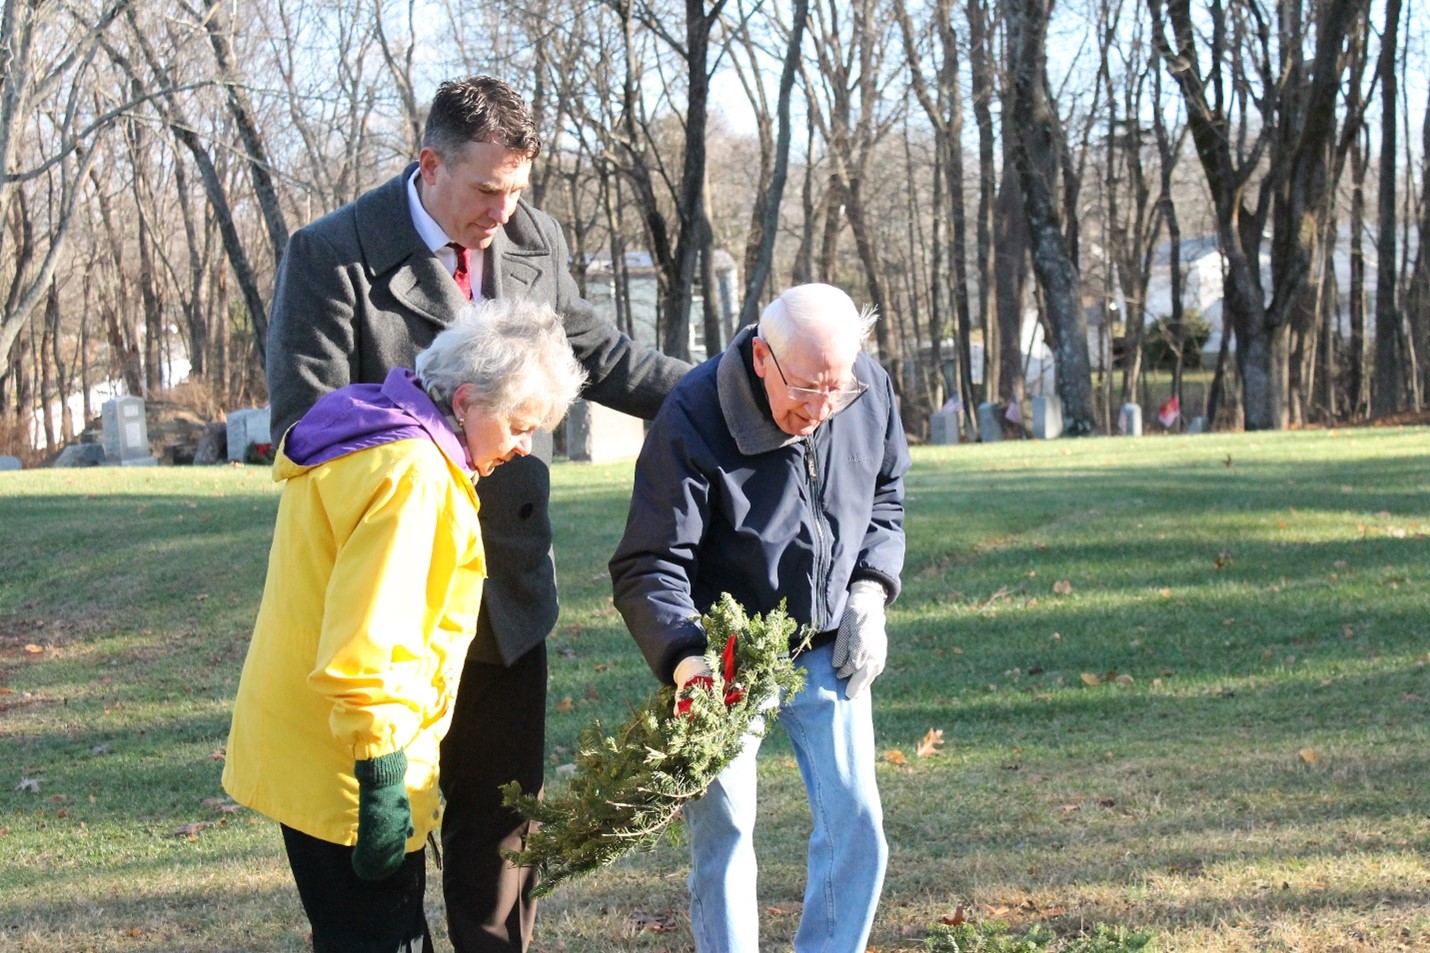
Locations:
{"points": [[1392, 386], [1417, 295], [983, 86], [847, 95], [1286, 145], [47, 54], [943, 106], [764, 225], [166, 102], [1034, 130], [214, 20], [677, 250]]}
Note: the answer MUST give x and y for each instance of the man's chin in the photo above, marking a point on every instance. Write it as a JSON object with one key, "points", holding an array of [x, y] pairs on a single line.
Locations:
{"points": [[483, 238]]}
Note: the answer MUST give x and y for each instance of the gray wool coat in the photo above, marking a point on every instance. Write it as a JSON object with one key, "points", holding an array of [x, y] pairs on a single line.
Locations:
{"points": [[359, 293]]}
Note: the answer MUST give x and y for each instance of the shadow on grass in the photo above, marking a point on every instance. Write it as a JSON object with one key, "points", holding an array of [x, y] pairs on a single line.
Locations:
{"points": [[139, 906]]}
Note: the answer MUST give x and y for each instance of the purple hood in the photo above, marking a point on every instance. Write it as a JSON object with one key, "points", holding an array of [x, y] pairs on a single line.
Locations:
{"points": [[361, 416]]}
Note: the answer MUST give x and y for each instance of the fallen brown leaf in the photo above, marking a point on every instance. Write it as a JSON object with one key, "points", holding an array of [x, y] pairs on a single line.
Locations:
{"points": [[190, 831], [932, 741], [652, 923], [895, 756]]}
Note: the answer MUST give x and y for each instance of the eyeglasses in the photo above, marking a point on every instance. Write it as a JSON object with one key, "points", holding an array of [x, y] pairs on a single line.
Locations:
{"points": [[838, 397]]}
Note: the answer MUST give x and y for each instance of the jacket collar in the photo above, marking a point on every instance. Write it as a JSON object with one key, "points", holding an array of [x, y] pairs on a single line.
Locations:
{"points": [[747, 413], [361, 416], [392, 247]]}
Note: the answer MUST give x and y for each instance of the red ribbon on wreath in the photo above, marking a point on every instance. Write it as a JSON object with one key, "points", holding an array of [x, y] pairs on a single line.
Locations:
{"points": [[733, 692]]}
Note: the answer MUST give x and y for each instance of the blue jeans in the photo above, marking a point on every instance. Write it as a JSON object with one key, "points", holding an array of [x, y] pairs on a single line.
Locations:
{"points": [[833, 740]]}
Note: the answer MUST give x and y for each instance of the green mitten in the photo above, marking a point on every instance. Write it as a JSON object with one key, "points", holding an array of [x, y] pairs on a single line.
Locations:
{"points": [[384, 816]]}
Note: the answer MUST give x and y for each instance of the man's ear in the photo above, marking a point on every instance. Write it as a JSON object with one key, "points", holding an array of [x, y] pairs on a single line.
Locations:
{"points": [[762, 355], [427, 162]]}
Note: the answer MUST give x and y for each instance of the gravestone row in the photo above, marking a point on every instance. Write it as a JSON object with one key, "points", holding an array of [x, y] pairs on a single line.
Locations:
{"points": [[944, 427]]}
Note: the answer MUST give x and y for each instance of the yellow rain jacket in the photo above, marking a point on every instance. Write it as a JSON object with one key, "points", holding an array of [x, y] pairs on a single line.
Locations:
{"points": [[374, 582]]}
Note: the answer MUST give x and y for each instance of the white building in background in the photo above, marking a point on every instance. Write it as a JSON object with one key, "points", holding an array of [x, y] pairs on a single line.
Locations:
{"points": [[645, 297], [1203, 270]]}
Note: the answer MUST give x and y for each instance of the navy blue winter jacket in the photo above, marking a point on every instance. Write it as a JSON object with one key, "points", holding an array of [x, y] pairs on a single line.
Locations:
{"points": [[725, 501]]}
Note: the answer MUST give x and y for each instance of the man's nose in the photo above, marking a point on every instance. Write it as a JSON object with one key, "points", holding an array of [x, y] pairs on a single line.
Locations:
{"points": [[506, 207], [821, 405]]}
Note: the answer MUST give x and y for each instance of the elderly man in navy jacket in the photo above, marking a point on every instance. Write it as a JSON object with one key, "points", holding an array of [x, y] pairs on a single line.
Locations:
{"points": [[775, 472]]}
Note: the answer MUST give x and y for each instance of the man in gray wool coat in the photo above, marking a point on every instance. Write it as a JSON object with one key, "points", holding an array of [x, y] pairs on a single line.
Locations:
{"points": [[361, 291]]}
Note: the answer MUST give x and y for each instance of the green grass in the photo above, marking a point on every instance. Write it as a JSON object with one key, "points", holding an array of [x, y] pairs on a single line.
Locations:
{"points": [[1181, 683]]}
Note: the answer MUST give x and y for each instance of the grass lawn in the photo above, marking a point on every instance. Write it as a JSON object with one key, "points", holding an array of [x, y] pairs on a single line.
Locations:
{"points": [[1181, 683]]}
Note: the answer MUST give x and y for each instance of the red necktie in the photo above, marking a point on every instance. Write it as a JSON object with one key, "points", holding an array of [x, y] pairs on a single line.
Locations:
{"points": [[461, 276]]}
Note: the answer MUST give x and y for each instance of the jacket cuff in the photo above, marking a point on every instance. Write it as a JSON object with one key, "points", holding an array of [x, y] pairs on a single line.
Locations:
{"points": [[673, 660], [383, 771], [890, 583]]}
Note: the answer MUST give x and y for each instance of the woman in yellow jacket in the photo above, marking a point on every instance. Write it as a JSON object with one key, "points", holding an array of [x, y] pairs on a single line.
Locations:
{"points": [[374, 581]]}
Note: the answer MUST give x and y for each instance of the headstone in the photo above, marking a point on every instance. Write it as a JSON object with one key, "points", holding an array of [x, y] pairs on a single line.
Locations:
{"points": [[1047, 417], [81, 455], [597, 434], [990, 423], [943, 427], [126, 435], [1198, 425], [245, 427], [8, 462], [1129, 422]]}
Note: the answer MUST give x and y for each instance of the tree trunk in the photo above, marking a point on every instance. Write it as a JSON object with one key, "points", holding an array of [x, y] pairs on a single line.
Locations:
{"points": [[1003, 337], [195, 319], [1391, 372], [1357, 381], [256, 152], [1035, 136], [757, 272], [982, 87]]}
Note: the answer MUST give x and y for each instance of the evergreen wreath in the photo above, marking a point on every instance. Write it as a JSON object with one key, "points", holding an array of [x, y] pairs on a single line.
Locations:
{"points": [[628, 787]]}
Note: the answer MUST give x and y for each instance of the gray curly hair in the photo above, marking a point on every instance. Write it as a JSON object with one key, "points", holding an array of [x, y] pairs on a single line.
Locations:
{"points": [[514, 353]]}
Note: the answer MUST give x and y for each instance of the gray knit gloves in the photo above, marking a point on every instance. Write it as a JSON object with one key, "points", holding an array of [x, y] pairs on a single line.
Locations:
{"points": [[862, 645]]}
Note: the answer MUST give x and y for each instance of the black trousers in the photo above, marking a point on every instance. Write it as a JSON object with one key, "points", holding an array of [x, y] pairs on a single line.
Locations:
{"points": [[497, 735], [352, 915]]}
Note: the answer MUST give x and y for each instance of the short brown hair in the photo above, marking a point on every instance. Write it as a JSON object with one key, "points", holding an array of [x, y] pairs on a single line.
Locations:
{"points": [[479, 109]]}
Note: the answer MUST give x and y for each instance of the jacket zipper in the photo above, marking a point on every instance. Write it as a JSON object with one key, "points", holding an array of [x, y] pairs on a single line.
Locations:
{"points": [[819, 607]]}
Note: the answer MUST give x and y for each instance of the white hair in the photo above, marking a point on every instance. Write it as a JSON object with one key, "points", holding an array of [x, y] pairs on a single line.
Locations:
{"points": [[514, 353], [805, 308]]}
